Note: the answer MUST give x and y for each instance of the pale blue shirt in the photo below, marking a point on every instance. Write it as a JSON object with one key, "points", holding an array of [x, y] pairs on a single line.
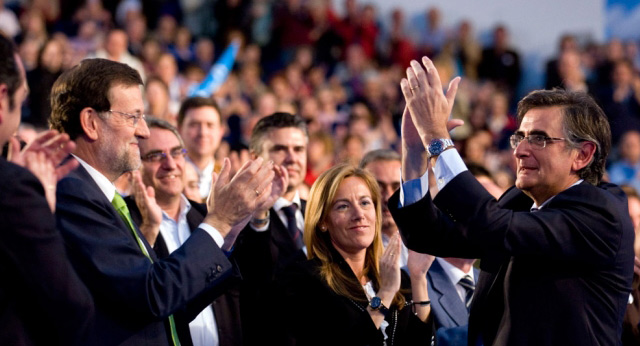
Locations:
{"points": [[448, 165]]}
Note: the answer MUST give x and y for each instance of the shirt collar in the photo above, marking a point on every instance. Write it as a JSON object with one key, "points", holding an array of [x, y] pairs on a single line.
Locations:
{"points": [[283, 202], [105, 185], [185, 206], [454, 273]]}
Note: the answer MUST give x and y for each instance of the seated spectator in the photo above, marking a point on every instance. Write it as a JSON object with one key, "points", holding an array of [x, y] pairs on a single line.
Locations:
{"points": [[353, 286]]}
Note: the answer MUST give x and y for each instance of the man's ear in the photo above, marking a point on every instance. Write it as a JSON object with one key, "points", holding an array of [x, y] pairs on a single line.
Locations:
{"points": [[4, 101], [586, 151], [89, 122]]}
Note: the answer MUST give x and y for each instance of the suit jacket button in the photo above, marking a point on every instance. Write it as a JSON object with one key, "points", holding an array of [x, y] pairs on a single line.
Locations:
{"points": [[219, 268]]}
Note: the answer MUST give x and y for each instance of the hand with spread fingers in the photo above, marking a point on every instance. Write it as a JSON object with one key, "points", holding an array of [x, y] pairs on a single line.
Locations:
{"points": [[278, 188], [42, 168], [390, 268], [429, 106], [233, 200], [54, 145]]}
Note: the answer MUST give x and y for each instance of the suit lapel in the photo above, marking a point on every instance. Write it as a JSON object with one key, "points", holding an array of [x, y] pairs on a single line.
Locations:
{"points": [[82, 174], [448, 296]]}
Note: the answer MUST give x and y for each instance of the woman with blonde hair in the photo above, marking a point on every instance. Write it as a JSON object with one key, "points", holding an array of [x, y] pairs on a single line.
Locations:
{"points": [[349, 290]]}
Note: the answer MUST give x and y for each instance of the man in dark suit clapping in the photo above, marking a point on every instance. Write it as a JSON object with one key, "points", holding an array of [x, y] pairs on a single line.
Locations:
{"points": [[556, 250], [167, 220], [98, 103], [42, 300]]}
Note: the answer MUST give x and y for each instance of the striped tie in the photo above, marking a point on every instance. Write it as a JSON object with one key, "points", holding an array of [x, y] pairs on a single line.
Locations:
{"points": [[121, 206], [292, 227], [467, 283]]}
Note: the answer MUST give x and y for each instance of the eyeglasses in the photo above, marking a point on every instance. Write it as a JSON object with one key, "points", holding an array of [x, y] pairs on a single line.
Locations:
{"points": [[536, 141], [158, 156], [132, 119]]}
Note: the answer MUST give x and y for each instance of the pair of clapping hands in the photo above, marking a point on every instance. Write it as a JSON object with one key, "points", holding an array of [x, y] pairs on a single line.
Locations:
{"points": [[45, 157], [234, 198]]}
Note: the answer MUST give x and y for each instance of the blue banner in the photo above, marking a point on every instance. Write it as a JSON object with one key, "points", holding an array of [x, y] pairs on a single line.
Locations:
{"points": [[218, 73]]}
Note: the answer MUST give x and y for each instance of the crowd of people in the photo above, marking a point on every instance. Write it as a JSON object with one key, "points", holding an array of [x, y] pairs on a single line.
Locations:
{"points": [[339, 72], [271, 210]]}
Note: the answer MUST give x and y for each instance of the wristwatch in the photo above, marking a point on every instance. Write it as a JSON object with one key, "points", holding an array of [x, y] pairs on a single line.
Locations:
{"points": [[377, 305], [437, 146]]}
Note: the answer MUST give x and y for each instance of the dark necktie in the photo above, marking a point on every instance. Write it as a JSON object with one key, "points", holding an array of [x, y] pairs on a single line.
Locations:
{"points": [[469, 286], [292, 225], [122, 209]]}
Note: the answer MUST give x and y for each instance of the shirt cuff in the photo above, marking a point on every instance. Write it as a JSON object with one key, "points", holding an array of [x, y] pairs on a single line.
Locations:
{"points": [[413, 190], [448, 165], [214, 233], [260, 229]]}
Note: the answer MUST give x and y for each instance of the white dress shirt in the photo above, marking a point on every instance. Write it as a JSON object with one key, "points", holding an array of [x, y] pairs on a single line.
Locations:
{"points": [[455, 274], [203, 328]]}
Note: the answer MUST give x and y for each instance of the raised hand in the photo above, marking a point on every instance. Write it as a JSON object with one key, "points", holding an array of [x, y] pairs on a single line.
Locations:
{"points": [[278, 188], [419, 263], [390, 269], [42, 168], [233, 200], [238, 159], [55, 146], [151, 212], [428, 105]]}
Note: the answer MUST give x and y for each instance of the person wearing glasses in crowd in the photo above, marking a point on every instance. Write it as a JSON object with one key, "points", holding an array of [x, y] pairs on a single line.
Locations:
{"points": [[556, 250], [98, 103], [167, 224]]}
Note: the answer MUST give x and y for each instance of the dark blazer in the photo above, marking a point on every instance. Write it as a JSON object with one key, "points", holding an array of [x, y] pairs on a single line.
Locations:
{"points": [[261, 256], [132, 295], [226, 307], [42, 300], [274, 248], [449, 312], [308, 312], [564, 272]]}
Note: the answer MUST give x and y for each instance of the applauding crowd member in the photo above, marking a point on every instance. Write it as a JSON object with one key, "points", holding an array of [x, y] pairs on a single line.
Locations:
{"points": [[348, 292], [556, 250], [98, 103], [42, 300]]}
